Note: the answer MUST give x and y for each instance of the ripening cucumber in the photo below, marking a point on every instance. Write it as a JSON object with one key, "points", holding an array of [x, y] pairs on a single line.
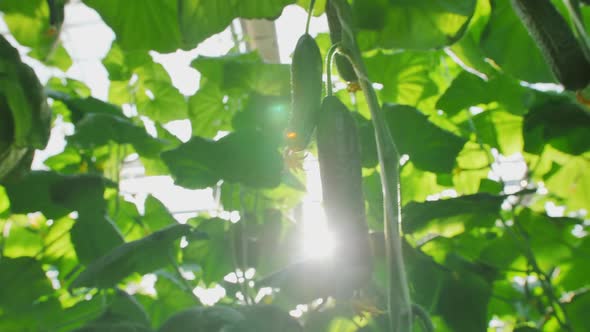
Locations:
{"points": [[306, 92], [342, 185], [556, 41], [345, 68]]}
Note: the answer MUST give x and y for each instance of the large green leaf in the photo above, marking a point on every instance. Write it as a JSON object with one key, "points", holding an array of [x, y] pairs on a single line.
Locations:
{"points": [[161, 102], [213, 319], [405, 75], [417, 185], [141, 25], [94, 235], [246, 157], [430, 147], [500, 130], [245, 72], [25, 275], [470, 292], [141, 256], [517, 55], [550, 239], [561, 124], [55, 195], [96, 130], [207, 111], [123, 313], [467, 49], [58, 249], [469, 90], [268, 114], [156, 215], [454, 215], [421, 24], [199, 20], [169, 25], [571, 180], [23, 239], [171, 298], [213, 255]]}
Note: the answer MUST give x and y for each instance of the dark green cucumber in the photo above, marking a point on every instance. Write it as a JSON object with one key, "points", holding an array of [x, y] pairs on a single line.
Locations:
{"points": [[345, 68], [306, 92], [342, 184], [556, 41]]}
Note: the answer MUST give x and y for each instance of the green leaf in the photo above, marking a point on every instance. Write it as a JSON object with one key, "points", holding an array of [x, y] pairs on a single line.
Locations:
{"points": [[171, 298], [571, 181], [561, 124], [367, 143], [499, 129], [501, 251], [25, 275], [127, 219], [467, 49], [192, 165], [217, 318], [517, 55], [140, 25], [22, 240], [245, 72], [96, 130], [490, 186], [473, 166], [81, 107], [246, 157], [58, 249], [68, 86], [405, 75], [268, 318], [94, 235], [33, 193], [82, 192], [199, 20], [550, 239], [469, 292], [417, 185], [141, 256], [125, 308], [4, 202], [419, 24], [161, 102], [213, 255], [430, 147], [470, 90], [207, 111], [576, 309], [454, 215], [268, 114], [156, 215]]}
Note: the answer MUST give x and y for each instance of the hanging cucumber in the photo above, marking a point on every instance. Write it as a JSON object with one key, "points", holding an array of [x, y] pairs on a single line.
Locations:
{"points": [[340, 169], [306, 89], [556, 41], [345, 68]]}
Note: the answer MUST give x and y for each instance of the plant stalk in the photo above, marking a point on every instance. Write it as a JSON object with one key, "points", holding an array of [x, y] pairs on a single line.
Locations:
{"points": [[399, 303]]}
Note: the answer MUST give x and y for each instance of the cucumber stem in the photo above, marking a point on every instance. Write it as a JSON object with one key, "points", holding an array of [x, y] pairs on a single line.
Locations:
{"points": [[399, 303], [329, 58], [309, 13]]}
